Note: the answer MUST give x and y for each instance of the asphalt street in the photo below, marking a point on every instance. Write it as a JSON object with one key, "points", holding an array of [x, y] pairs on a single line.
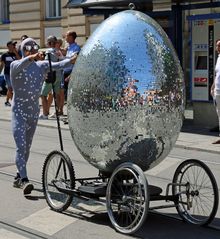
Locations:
{"points": [[30, 217]]}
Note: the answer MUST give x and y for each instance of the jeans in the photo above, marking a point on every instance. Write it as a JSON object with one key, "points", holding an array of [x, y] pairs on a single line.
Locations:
{"points": [[217, 100]]}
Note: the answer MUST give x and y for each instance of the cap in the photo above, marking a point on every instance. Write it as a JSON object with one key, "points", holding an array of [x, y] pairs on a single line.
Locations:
{"points": [[51, 39], [27, 41], [11, 43]]}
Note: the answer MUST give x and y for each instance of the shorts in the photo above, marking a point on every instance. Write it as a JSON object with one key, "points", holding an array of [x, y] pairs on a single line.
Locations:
{"points": [[47, 88], [8, 81], [64, 84]]}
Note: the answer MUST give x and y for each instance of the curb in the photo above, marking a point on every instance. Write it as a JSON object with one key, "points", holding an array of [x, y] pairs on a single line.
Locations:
{"points": [[196, 149], [175, 146], [39, 124]]}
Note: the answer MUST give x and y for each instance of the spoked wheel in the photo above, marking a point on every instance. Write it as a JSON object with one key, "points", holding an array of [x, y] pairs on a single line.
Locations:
{"points": [[127, 198], [198, 192], [58, 170]]}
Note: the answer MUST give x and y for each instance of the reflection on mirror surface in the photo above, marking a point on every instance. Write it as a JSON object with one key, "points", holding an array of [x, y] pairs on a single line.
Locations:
{"points": [[126, 94]]}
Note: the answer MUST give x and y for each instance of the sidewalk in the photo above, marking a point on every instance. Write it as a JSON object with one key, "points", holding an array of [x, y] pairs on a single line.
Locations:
{"points": [[191, 136], [5, 115]]}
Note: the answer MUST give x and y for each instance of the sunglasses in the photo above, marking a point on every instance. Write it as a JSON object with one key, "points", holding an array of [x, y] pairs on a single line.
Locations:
{"points": [[29, 48]]}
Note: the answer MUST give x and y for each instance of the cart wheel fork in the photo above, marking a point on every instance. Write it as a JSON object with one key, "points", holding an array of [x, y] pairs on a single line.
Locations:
{"points": [[198, 201], [127, 198]]}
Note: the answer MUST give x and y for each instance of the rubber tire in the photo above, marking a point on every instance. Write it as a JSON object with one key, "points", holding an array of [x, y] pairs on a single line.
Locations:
{"points": [[71, 174], [187, 164], [136, 170]]}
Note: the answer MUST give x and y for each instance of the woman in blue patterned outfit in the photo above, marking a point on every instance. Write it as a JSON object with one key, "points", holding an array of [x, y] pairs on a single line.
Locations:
{"points": [[27, 76]]}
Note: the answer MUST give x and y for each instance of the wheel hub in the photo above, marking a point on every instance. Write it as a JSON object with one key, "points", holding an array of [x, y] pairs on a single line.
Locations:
{"points": [[124, 198], [194, 193]]}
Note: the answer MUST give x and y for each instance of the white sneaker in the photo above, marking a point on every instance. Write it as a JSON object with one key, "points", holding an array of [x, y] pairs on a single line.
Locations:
{"points": [[52, 116], [43, 117]]}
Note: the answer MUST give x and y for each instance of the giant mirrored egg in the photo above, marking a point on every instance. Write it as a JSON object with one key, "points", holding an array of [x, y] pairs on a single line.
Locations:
{"points": [[126, 94]]}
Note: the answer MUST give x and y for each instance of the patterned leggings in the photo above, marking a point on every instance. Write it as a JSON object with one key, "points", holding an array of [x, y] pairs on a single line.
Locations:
{"points": [[23, 132]]}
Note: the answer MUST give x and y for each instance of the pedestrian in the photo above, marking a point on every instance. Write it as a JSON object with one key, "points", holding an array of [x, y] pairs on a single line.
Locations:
{"points": [[72, 48], [215, 88], [27, 75], [61, 52], [22, 38], [47, 85], [5, 62]]}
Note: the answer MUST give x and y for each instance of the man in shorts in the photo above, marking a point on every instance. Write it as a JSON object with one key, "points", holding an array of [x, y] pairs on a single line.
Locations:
{"points": [[72, 48], [47, 85]]}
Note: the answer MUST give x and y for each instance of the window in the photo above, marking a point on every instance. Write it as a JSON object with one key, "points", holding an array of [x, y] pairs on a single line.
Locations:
{"points": [[201, 63], [53, 8], [93, 23], [201, 60], [4, 11]]}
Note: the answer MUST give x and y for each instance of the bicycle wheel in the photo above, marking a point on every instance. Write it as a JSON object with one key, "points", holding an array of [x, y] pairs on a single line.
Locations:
{"points": [[127, 198], [58, 169], [198, 199]]}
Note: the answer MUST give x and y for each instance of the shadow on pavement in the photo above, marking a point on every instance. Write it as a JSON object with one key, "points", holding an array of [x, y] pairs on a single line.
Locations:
{"points": [[190, 127], [34, 196], [159, 226], [156, 226]]}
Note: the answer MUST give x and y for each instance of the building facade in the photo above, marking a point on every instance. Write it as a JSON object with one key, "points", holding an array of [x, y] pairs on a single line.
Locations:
{"points": [[39, 19]]}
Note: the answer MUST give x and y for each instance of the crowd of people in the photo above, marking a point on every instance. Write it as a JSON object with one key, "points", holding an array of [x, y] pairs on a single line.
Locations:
{"points": [[59, 49], [31, 74]]}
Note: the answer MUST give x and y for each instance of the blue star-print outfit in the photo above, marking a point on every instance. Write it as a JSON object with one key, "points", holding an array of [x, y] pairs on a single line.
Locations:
{"points": [[27, 78]]}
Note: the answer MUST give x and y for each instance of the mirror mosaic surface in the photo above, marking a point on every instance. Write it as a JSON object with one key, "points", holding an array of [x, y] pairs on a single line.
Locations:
{"points": [[126, 94]]}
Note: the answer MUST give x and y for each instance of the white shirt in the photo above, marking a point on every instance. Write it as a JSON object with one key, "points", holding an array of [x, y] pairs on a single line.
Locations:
{"points": [[217, 76]]}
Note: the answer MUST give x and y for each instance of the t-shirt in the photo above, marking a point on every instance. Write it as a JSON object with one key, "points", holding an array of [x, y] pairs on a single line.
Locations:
{"points": [[54, 58], [72, 48], [7, 58], [217, 76]]}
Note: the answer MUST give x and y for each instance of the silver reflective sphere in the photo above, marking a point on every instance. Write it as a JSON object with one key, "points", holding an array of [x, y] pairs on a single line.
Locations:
{"points": [[126, 94]]}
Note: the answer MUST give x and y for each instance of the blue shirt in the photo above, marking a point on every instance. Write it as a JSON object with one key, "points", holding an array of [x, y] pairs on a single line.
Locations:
{"points": [[72, 48]]}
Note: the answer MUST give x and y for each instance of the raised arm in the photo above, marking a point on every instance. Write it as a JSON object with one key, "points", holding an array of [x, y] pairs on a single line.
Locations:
{"points": [[19, 65], [64, 63], [213, 88]]}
